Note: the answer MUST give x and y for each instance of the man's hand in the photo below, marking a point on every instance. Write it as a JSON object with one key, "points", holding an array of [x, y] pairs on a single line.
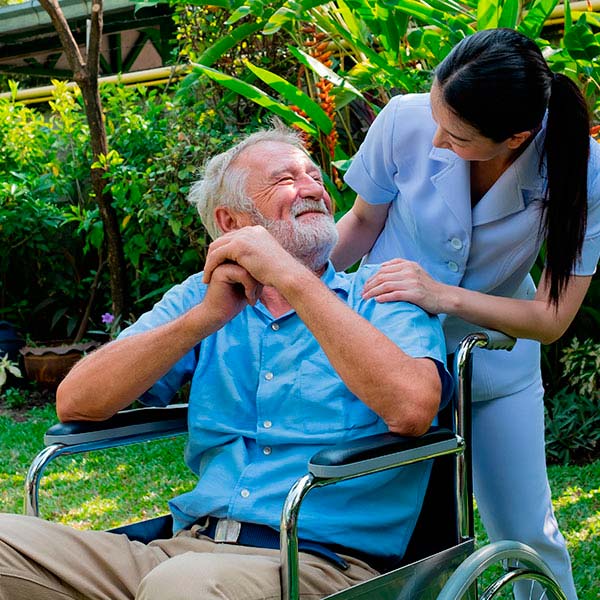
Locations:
{"points": [[231, 287], [254, 249]]}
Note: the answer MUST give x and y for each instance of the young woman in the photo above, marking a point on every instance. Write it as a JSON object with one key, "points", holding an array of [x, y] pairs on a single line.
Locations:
{"points": [[457, 191]]}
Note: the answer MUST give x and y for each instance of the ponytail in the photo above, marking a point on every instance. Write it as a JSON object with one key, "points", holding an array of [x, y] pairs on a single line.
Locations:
{"points": [[498, 81], [567, 148]]}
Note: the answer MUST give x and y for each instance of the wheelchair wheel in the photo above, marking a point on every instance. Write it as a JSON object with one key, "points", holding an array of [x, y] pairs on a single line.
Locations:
{"points": [[519, 564]]}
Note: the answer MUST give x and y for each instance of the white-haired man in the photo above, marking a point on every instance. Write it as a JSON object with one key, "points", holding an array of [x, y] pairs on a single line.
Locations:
{"points": [[284, 358]]}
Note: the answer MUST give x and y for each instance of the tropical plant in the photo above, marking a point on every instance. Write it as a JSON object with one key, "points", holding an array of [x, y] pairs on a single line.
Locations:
{"points": [[348, 57], [8, 367]]}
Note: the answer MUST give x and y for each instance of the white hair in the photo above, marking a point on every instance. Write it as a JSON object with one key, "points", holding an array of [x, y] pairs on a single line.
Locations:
{"points": [[223, 183]]}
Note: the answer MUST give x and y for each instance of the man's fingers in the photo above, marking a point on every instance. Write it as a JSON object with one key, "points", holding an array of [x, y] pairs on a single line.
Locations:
{"points": [[218, 254]]}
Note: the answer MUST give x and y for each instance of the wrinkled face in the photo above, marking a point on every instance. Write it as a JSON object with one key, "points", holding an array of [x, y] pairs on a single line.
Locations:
{"points": [[290, 201], [455, 134]]}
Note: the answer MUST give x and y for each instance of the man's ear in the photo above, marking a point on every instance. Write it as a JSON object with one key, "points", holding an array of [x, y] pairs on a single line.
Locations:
{"points": [[227, 219], [518, 139]]}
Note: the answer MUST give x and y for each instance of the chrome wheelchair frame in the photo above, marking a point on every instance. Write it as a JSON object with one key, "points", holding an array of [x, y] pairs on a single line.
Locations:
{"points": [[442, 570]]}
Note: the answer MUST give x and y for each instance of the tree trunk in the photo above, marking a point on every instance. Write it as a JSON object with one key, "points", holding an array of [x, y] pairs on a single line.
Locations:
{"points": [[85, 73]]}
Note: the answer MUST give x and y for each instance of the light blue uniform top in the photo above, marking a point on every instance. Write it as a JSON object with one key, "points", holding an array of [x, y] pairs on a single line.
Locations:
{"points": [[264, 399], [490, 248]]}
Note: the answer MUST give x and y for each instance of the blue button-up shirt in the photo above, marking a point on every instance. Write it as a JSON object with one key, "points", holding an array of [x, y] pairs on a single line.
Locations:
{"points": [[264, 399]]}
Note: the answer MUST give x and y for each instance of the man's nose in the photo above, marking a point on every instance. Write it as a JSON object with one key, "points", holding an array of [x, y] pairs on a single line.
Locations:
{"points": [[309, 187]]}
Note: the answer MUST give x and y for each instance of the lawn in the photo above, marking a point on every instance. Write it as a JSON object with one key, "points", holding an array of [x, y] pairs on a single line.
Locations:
{"points": [[87, 491]]}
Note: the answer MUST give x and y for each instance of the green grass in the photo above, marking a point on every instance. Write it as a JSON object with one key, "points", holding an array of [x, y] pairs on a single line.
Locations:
{"points": [[102, 490]]}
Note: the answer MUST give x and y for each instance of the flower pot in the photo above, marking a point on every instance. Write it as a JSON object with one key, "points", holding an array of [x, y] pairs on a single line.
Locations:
{"points": [[48, 365]]}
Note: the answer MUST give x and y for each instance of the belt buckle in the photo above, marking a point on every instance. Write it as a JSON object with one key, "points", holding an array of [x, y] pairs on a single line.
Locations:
{"points": [[227, 530]]}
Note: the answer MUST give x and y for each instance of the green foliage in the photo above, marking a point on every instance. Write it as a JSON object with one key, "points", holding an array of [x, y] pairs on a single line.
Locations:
{"points": [[50, 227], [582, 368], [572, 427], [8, 367], [14, 398], [573, 414]]}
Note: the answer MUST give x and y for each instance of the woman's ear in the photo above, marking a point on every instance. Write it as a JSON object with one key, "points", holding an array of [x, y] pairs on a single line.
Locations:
{"points": [[228, 220], [518, 139]]}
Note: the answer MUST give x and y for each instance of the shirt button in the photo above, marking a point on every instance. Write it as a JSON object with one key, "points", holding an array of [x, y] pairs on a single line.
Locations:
{"points": [[456, 243], [452, 266], [267, 450], [275, 326], [244, 493], [269, 376], [267, 424]]}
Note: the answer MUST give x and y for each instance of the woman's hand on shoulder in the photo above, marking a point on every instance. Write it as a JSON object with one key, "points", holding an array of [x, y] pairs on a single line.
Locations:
{"points": [[400, 279]]}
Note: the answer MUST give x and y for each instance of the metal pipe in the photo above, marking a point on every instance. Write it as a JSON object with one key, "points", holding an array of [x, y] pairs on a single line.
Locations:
{"points": [[288, 537], [146, 77], [34, 475]]}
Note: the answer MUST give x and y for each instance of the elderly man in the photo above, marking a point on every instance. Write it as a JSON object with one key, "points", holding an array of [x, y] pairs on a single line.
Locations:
{"points": [[284, 358]]}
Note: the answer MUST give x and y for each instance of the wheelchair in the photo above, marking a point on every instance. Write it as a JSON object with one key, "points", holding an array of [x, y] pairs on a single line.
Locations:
{"points": [[441, 562]]}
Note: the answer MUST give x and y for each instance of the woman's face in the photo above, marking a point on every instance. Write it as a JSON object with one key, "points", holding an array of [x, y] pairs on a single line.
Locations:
{"points": [[455, 134]]}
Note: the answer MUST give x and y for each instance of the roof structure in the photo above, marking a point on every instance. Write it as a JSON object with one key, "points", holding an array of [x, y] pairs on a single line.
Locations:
{"points": [[134, 38]]}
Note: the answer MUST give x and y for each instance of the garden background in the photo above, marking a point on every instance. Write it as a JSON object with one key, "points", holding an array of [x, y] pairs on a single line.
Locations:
{"points": [[324, 67]]}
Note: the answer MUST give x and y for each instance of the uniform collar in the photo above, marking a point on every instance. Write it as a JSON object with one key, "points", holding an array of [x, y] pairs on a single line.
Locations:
{"points": [[506, 196]]}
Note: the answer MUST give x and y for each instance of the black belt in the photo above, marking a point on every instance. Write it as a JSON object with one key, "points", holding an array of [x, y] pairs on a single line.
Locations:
{"points": [[262, 536]]}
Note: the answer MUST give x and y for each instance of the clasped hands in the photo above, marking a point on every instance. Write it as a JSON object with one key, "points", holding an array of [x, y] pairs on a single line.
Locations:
{"points": [[239, 264]]}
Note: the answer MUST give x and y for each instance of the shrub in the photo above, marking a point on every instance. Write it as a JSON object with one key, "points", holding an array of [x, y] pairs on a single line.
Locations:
{"points": [[573, 413]]}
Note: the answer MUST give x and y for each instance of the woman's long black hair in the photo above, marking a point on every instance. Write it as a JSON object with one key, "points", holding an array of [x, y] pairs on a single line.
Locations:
{"points": [[498, 81]]}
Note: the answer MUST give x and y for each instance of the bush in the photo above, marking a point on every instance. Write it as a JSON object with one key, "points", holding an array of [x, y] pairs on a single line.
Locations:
{"points": [[50, 228], [573, 413]]}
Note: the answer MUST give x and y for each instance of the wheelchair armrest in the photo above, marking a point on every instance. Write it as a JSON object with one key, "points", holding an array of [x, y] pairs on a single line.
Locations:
{"points": [[142, 423], [382, 451]]}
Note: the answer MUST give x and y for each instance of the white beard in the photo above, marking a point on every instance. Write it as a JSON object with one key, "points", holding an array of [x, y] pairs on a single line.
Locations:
{"points": [[309, 242]]}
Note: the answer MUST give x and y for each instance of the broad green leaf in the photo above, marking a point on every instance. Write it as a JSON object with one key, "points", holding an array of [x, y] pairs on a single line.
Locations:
{"points": [[487, 14], [580, 42], [322, 71], [259, 97], [568, 17], [289, 12], [294, 96], [535, 17], [510, 14], [238, 14], [226, 43]]}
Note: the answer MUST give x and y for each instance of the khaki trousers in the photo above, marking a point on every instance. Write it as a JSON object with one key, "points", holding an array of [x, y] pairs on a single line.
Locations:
{"points": [[49, 561]]}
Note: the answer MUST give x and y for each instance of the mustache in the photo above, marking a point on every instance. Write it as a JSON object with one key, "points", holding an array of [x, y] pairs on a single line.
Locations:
{"points": [[303, 205]]}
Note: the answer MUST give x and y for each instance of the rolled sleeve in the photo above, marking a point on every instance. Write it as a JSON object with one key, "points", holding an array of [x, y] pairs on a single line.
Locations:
{"points": [[177, 301], [371, 173]]}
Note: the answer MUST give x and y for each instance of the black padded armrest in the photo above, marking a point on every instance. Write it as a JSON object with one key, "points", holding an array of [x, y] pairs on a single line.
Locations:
{"points": [[377, 452], [135, 423]]}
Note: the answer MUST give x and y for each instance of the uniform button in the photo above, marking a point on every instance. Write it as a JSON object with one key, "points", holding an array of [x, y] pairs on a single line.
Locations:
{"points": [[275, 326], [269, 376], [267, 450], [456, 243], [267, 424], [452, 266], [245, 493]]}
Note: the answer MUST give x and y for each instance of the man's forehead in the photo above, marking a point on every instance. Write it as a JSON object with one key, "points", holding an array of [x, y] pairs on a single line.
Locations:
{"points": [[275, 156]]}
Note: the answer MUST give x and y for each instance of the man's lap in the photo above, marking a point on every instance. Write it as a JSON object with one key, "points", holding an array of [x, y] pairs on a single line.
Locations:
{"points": [[48, 560]]}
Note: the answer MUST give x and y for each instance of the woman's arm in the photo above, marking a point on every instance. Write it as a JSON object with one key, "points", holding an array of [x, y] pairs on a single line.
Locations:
{"points": [[358, 230], [534, 319]]}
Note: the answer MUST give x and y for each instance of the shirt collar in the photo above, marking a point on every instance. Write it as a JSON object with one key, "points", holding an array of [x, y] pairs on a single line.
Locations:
{"points": [[336, 281]]}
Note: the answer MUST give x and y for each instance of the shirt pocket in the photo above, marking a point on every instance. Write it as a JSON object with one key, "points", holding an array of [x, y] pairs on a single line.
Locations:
{"points": [[326, 403]]}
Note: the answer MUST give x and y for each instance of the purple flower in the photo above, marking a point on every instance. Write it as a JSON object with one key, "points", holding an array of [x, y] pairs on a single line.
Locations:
{"points": [[108, 318]]}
